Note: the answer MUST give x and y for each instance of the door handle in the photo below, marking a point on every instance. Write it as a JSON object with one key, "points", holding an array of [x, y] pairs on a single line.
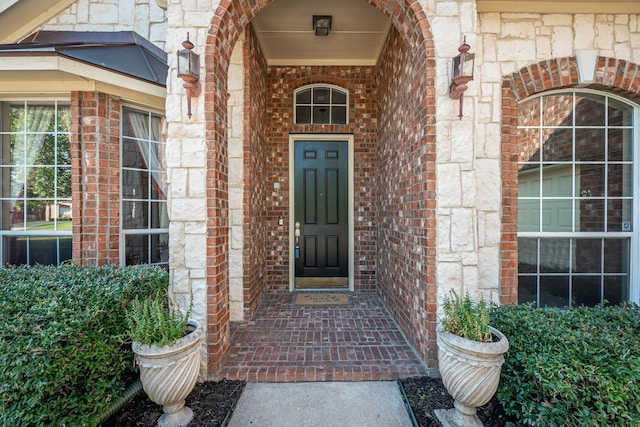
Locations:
{"points": [[296, 233]]}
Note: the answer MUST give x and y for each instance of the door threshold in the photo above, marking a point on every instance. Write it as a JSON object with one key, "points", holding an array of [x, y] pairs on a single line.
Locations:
{"points": [[308, 283]]}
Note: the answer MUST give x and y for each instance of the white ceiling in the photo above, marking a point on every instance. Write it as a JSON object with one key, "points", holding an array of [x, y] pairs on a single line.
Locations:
{"points": [[285, 28], [285, 32]]}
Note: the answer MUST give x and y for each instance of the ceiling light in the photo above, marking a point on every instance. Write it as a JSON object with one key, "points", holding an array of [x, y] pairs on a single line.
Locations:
{"points": [[321, 24]]}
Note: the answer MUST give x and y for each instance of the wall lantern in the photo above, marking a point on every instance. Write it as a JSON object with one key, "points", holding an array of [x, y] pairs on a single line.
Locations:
{"points": [[461, 72], [322, 24], [189, 71]]}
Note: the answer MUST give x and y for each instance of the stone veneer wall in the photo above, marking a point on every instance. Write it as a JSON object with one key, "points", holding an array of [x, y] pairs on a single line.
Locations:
{"points": [[95, 177], [144, 17], [406, 202], [360, 82]]}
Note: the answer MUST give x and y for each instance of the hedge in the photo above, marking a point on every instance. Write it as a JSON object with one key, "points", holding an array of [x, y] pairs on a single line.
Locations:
{"points": [[64, 353], [578, 367]]}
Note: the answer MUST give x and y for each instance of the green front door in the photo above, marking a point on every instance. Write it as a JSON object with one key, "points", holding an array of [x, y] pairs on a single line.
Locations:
{"points": [[321, 214]]}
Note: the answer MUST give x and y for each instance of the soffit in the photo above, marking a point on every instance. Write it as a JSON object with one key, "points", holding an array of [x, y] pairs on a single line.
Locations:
{"points": [[559, 6], [285, 33], [20, 18]]}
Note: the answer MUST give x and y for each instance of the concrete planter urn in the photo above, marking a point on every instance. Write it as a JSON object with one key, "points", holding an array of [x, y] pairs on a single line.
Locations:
{"points": [[470, 372], [169, 373]]}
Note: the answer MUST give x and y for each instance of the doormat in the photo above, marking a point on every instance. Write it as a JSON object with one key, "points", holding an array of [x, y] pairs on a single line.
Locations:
{"points": [[321, 299]]}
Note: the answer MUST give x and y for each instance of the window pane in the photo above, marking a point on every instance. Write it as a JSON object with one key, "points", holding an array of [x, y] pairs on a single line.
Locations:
{"points": [[321, 115], [529, 145], [529, 113], [529, 215], [159, 248], [135, 184], [619, 114], [15, 250], [529, 181], [590, 145], [557, 110], [339, 115], [554, 291], [132, 153], [135, 124], [43, 250], [586, 291], [134, 215], [557, 180], [136, 249], [63, 184], [558, 145], [590, 180], [64, 118], [587, 255], [303, 115], [527, 255], [590, 110], [321, 95], [590, 215], [619, 181], [616, 255], [619, 215], [616, 289], [620, 147], [303, 97], [527, 289], [159, 218], [555, 255], [557, 215], [339, 97], [63, 151]]}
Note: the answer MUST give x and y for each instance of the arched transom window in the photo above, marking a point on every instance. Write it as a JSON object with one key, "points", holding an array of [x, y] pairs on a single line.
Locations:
{"points": [[576, 228], [321, 104]]}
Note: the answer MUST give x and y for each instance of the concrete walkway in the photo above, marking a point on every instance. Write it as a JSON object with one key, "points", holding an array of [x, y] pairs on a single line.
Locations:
{"points": [[321, 404]]}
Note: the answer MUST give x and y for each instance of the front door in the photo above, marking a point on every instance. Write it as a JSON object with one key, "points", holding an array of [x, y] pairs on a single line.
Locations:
{"points": [[321, 220]]}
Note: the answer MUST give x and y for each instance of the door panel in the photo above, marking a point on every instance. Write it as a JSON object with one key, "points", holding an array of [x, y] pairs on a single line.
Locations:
{"points": [[321, 208]]}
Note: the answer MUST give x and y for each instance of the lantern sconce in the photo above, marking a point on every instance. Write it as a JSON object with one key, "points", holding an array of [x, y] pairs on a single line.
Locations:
{"points": [[189, 71], [461, 72]]}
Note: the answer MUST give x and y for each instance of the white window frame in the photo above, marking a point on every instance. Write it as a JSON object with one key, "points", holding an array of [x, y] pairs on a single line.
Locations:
{"points": [[633, 236], [124, 232], [34, 233], [330, 104]]}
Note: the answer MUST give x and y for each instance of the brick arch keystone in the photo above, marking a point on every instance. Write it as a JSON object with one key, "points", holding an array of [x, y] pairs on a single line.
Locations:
{"points": [[612, 75]]}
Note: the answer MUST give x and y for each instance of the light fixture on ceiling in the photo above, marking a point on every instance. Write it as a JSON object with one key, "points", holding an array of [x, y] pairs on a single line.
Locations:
{"points": [[461, 72], [322, 24], [189, 71]]}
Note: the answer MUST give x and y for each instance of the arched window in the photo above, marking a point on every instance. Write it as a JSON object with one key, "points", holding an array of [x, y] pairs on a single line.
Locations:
{"points": [[321, 104], [576, 230]]}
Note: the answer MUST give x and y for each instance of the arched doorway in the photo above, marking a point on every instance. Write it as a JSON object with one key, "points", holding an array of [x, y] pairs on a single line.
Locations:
{"points": [[394, 249]]}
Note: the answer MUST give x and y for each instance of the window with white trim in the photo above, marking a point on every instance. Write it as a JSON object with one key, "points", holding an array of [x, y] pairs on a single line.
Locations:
{"points": [[145, 222], [36, 182], [576, 231], [321, 104]]}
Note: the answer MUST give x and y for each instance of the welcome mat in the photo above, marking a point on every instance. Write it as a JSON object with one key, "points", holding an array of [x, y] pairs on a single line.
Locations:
{"points": [[321, 299]]}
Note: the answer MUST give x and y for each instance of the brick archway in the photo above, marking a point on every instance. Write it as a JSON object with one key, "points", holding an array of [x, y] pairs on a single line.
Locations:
{"points": [[614, 75], [229, 21]]}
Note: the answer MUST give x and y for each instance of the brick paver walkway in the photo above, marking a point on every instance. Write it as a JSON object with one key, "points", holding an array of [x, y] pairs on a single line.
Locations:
{"points": [[285, 343]]}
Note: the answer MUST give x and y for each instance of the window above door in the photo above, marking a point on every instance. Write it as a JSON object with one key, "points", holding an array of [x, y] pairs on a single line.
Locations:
{"points": [[321, 104]]}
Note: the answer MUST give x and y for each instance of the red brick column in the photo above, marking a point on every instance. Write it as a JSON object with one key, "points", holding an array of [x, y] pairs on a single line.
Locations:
{"points": [[95, 162]]}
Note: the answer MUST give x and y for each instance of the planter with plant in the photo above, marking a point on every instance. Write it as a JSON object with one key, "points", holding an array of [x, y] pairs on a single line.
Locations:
{"points": [[167, 347], [470, 356]]}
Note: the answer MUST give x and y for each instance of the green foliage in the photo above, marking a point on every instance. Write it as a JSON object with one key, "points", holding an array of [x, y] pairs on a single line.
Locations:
{"points": [[156, 321], [64, 352], [466, 318], [578, 367]]}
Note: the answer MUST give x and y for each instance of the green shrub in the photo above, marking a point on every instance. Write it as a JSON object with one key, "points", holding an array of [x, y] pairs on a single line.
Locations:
{"points": [[578, 367], [64, 352], [156, 321], [466, 318]]}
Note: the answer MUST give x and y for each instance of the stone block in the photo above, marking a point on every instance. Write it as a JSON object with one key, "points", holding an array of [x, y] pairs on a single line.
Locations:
{"points": [[449, 185], [195, 246], [197, 183]]}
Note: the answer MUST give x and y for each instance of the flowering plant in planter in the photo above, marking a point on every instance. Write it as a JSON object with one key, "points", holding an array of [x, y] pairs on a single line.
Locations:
{"points": [[167, 347], [470, 357]]}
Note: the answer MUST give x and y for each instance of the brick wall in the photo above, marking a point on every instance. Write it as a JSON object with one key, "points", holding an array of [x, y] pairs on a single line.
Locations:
{"points": [[95, 162], [256, 184], [360, 82], [405, 179]]}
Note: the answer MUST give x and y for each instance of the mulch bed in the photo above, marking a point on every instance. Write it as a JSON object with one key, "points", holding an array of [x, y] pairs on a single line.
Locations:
{"points": [[211, 402]]}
